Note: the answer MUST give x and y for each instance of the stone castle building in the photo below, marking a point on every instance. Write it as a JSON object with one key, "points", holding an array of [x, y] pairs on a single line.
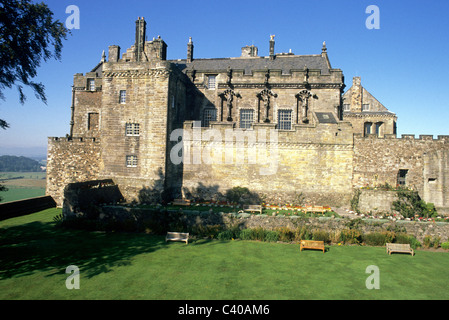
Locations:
{"points": [[290, 108]]}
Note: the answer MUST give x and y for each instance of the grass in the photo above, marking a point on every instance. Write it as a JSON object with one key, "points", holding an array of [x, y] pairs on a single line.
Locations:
{"points": [[28, 185], [21, 193], [34, 255]]}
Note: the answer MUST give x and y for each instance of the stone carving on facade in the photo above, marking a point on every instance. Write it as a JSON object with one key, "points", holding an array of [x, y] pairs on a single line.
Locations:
{"points": [[228, 96], [303, 105], [264, 96]]}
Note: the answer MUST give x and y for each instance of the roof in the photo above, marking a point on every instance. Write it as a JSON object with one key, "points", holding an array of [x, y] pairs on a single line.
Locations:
{"points": [[325, 117], [285, 63]]}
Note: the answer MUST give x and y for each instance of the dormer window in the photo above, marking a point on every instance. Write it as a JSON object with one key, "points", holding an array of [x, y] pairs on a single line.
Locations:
{"points": [[211, 81], [365, 107]]}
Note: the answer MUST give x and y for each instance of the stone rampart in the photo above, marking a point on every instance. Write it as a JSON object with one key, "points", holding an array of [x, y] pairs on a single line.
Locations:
{"points": [[71, 160]]}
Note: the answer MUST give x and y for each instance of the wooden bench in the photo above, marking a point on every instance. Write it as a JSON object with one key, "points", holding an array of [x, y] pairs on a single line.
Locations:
{"points": [[309, 244], [399, 247], [316, 209], [253, 208], [181, 202], [177, 236]]}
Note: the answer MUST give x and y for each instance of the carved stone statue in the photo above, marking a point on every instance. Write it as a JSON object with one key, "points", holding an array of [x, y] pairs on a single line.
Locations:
{"points": [[229, 95], [303, 97], [265, 95]]}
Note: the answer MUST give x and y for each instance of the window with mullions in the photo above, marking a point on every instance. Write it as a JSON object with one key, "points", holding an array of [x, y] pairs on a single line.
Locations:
{"points": [[211, 81], [132, 129], [91, 84], [285, 119], [209, 114], [131, 161], [246, 118], [122, 97]]}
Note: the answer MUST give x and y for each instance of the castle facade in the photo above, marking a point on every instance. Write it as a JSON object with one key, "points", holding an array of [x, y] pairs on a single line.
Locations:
{"points": [[281, 125]]}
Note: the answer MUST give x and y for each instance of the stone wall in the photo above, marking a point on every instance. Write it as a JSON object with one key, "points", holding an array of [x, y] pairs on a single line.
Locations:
{"points": [[378, 160], [155, 91], [376, 201], [278, 165], [71, 160], [332, 225]]}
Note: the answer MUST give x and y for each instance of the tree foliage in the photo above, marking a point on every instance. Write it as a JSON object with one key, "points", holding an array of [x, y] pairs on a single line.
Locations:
{"points": [[18, 164], [28, 35]]}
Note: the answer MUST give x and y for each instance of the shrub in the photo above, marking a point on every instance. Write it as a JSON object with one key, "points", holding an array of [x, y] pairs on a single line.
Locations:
{"points": [[436, 242], [271, 236], [427, 241], [320, 235], [303, 233], [406, 238], [226, 235], [242, 195], [409, 204], [350, 236], [378, 238], [286, 234], [206, 231], [445, 245], [246, 234]]}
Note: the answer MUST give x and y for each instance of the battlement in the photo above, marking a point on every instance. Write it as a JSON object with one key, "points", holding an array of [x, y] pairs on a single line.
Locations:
{"points": [[422, 137], [73, 139]]}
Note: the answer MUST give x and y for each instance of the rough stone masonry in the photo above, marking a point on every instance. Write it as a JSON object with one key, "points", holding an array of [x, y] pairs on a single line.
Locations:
{"points": [[323, 142]]}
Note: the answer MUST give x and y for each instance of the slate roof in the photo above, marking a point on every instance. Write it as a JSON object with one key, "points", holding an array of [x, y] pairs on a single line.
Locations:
{"points": [[325, 117], [285, 63]]}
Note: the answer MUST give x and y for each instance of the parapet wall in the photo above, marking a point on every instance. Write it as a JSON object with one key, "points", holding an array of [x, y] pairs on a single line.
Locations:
{"points": [[278, 165], [71, 160], [377, 161]]}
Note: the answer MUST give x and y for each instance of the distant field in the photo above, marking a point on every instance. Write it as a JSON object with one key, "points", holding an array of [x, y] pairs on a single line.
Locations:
{"points": [[28, 185]]}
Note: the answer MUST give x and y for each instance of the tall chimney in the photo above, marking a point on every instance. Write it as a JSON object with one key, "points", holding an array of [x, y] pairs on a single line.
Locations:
{"points": [[141, 27], [190, 51], [272, 56], [114, 53]]}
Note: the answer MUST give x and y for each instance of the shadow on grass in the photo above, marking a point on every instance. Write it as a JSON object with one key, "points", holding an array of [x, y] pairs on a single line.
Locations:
{"points": [[39, 246]]}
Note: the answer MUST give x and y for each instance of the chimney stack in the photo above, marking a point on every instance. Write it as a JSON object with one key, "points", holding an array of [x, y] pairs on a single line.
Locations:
{"points": [[141, 27], [272, 56], [190, 51]]}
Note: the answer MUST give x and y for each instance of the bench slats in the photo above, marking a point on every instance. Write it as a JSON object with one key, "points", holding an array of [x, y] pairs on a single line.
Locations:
{"points": [[253, 208], [399, 247], [309, 244], [177, 236]]}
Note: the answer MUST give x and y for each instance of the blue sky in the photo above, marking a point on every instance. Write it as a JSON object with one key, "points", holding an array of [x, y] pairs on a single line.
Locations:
{"points": [[404, 64]]}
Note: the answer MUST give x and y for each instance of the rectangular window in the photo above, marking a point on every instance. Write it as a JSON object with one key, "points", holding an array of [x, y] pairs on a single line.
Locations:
{"points": [[122, 96], [209, 115], [367, 128], [131, 161], [211, 81], [285, 119], [402, 177], [365, 107], [378, 128], [246, 118], [132, 129], [346, 107], [91, 84]]}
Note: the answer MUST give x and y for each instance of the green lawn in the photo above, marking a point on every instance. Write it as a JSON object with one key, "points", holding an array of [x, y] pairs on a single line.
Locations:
{"points": [[21, 193], [34, 255]]}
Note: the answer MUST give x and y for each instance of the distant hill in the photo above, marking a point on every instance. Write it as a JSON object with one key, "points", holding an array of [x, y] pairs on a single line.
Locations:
{"points": [[19, 164]]}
